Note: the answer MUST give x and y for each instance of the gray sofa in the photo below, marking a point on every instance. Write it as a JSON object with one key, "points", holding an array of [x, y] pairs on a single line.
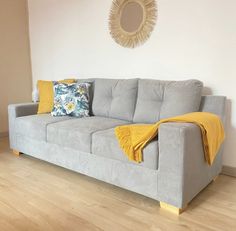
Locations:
{"points": [[174, 170]]}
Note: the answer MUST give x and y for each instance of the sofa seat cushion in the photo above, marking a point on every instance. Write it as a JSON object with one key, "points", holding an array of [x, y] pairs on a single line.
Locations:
{"points": [[35, 126], [77, 133], [105, 143]]}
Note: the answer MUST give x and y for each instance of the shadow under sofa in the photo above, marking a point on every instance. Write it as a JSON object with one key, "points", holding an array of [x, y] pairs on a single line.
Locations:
{"points": [[173, 170]]}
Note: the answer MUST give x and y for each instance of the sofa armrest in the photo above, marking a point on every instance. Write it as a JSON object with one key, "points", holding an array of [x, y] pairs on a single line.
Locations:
{"points": [[23, 109], [183, 170], [18, 110]]}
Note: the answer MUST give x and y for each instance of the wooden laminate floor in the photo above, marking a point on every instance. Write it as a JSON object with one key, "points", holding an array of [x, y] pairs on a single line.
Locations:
{"points": [[35, 195]]}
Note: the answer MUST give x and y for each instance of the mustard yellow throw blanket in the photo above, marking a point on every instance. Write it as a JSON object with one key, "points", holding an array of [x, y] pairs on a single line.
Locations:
{"points": [[133, 138]]}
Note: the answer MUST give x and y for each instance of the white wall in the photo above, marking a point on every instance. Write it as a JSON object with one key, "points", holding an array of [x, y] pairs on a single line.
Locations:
{"points": [[15, 66], [192, 39]]}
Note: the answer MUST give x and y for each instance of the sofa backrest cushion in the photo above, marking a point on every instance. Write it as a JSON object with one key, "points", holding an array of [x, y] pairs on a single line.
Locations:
{"points": [[115, 98], [214, 104], [162, 99]]}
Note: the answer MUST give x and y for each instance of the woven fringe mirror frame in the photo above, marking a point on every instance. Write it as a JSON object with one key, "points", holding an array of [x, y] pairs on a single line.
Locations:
{"points": [[136, 38]]}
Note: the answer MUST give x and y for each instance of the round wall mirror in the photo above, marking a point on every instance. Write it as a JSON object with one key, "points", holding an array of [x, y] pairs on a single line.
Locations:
{"points": [[131, 17], [132, 21]]}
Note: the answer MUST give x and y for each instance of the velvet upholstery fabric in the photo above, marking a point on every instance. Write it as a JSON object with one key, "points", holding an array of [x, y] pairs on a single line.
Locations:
{"points": [[115, 98], [163, 99], [104, 143], [122, 174], [183, 171], [35, 126], [77, 133]]}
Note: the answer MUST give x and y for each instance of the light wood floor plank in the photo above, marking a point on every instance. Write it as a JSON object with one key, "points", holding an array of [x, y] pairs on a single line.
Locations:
{"points": [[35, 196]]}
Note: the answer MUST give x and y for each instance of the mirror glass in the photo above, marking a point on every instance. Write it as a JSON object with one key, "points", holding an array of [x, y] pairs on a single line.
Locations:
{"points": [[131, 17]]}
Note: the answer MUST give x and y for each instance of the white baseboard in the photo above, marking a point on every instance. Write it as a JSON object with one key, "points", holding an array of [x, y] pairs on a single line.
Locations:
{"points": [[3, 134], [228, 170]]}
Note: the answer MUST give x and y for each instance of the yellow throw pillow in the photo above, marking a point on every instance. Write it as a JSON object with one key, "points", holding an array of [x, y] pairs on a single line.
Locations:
{"points": [[46, 95]]}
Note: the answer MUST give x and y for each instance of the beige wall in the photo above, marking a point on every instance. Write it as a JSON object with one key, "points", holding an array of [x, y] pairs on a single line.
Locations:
{"points": [[192, 39], [15, 67]]}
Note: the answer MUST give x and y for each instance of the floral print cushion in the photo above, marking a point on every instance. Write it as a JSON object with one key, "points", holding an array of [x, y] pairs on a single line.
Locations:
{"points": [[71, 99]]}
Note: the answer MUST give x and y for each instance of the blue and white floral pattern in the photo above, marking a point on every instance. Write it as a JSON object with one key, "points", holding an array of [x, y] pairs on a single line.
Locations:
{"points": [[71, 99]]}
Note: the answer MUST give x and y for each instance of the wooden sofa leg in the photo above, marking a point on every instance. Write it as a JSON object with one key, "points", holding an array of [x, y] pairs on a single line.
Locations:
{"points": [[16, 152], [171, 208]]}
